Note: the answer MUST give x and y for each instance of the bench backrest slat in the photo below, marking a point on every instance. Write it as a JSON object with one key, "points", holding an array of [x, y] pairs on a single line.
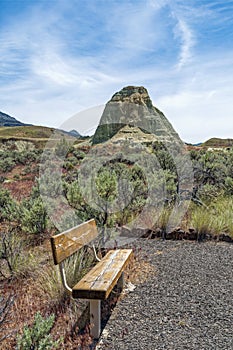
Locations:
{"points": [[68, 242]]}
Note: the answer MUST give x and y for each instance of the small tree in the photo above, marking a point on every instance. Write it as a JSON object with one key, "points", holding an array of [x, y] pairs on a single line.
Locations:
{"points": [[8, 205], [62, 148], [34, 217]]}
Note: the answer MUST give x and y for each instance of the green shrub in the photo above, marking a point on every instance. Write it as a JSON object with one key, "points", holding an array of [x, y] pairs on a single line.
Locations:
{"points": [[26, 157], [229, 185], [16, 177], [2, 179], [50, 183], [34, 217], [62, 148], [207, 193], [9, 208], [7, 164], [5, 197], [38, 337], [68, 165], [79, 154], [26, 170]]}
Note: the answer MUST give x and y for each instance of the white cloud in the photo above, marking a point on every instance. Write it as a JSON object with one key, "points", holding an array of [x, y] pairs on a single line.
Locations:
{"points": [[187, 42], [201, 108], [49, 70]]}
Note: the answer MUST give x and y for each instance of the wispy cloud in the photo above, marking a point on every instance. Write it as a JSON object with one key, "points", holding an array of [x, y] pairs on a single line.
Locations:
{"points": [[57, 58], [183, 31]]}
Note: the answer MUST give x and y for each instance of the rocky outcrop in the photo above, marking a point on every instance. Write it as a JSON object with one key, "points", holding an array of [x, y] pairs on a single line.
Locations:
{"points": [[131, 130], [133, 107], [190, 234]]}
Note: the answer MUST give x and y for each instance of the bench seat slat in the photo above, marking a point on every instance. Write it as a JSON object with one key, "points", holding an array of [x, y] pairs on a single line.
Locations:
{"points": [[99, 282]]}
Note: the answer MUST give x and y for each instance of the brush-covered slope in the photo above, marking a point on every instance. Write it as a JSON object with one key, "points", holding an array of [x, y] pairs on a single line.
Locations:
{"points": [[217, 142], [13, 130]]}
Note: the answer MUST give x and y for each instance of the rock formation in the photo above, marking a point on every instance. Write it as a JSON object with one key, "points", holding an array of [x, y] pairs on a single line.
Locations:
{"points": [[133, 107], [129, 129]]}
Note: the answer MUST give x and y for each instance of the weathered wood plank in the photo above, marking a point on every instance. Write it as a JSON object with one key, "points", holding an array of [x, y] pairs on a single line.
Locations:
{"points": [[99, 282], [68, 242]]}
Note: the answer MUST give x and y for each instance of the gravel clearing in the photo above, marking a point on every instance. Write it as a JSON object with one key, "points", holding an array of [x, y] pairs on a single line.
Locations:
{"points": [[186, 303]]}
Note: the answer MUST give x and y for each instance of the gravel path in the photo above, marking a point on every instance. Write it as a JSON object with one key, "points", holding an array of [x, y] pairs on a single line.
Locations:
{"points": [[187, 303]]}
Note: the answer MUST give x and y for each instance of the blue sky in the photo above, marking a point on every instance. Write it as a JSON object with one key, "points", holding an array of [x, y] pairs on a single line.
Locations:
{"points": [[61, 57]]}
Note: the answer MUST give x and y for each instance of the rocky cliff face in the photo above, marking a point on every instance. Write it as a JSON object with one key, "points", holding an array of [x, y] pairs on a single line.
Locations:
{"points": [[133, 107]]}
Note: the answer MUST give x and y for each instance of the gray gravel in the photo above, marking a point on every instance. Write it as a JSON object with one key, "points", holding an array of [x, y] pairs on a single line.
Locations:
{"points": [[187, 303]]}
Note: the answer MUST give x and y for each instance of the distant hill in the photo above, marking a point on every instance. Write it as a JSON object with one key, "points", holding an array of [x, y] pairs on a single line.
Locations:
{"points": [[38, 135], [26, 132], [217, 142], [7, 120], [13, 129], [198, 144], [73, 133]]}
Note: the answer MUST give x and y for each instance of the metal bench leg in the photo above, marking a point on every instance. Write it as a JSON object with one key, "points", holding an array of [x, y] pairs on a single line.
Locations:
{"points": [[95, 318]]}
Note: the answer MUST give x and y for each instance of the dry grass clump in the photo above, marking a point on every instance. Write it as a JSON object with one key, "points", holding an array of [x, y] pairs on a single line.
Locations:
{"points": [[16, 257], [215, 219]]}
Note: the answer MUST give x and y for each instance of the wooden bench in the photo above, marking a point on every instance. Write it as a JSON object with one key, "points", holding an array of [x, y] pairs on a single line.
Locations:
{"points": [[98, 283]]}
